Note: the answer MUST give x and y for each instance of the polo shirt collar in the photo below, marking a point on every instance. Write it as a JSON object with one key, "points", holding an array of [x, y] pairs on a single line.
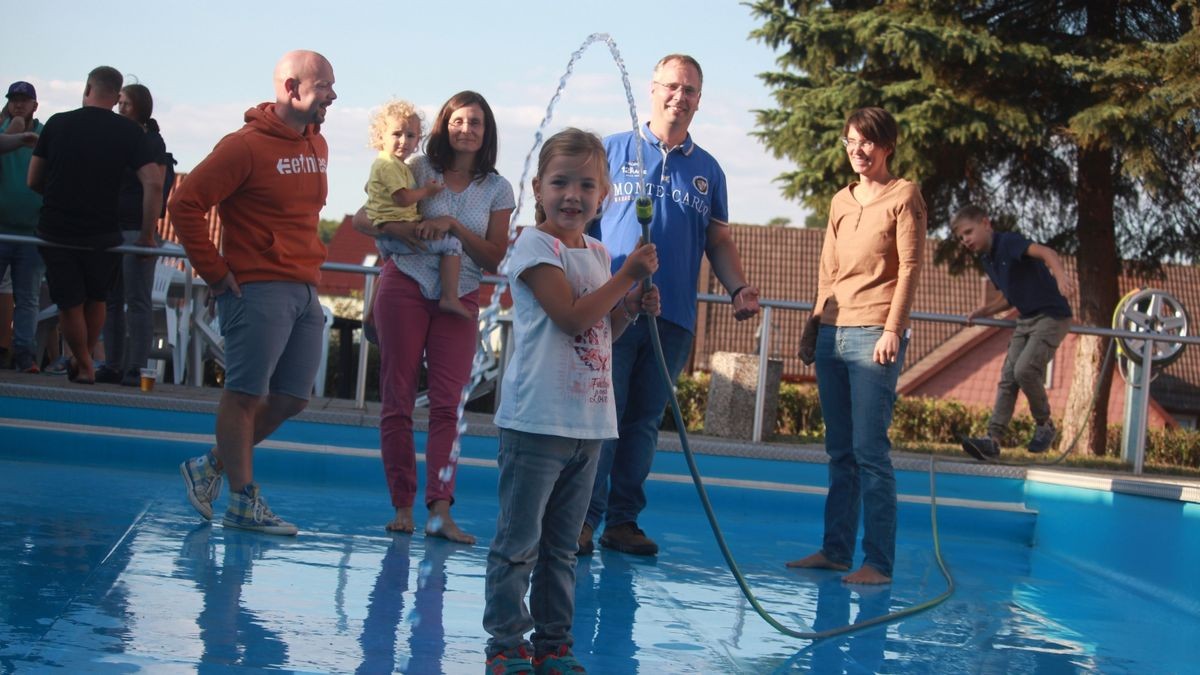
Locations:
{"points": [[990, 254], [686, 147]]}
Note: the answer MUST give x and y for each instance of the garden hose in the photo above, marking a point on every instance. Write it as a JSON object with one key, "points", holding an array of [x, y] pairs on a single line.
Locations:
{"points": [[644, 215]]}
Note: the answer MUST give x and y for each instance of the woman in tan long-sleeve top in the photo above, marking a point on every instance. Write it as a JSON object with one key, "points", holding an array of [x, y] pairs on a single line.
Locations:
{"points": [[873, 250]]}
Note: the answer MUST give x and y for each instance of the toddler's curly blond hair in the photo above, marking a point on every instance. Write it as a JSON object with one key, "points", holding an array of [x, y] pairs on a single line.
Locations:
{"points": [[395, 109]]}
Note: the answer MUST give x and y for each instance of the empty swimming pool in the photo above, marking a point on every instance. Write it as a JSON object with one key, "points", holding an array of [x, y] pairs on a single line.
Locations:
{"points": [[106, 568]]}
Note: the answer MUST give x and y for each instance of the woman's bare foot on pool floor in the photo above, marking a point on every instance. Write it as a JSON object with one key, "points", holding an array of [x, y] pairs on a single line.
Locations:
{"points": [[441, 524], [866, 575], [818, 561], [403, 522]]}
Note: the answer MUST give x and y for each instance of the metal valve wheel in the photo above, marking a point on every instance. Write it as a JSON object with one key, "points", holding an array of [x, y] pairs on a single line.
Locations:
{"points": [[1155, 312]]}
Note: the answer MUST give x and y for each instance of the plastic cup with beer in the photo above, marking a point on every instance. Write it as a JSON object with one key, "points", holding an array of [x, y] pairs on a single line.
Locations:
{"points": [[149, 376]]}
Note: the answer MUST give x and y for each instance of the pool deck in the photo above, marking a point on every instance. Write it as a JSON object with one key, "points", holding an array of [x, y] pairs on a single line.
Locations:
{"points": [[109, 570]]}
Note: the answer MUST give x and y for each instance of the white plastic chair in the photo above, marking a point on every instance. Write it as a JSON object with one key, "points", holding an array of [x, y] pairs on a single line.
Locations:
{"points": [[323, 363], [166, 333]]}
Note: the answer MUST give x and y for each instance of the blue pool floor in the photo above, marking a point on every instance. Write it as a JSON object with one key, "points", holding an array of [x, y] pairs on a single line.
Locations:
{"points": [[109, 570]]}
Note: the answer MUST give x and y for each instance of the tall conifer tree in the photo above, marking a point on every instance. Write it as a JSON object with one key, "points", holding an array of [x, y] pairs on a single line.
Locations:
{"points": [[1076, 120]]}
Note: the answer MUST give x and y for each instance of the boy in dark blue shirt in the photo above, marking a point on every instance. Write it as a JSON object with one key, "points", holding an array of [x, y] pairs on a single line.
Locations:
{"points": [[1031, 278]]}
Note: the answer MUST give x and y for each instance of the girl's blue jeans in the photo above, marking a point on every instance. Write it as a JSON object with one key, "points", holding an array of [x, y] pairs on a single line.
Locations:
{"points": [[545, 485]]}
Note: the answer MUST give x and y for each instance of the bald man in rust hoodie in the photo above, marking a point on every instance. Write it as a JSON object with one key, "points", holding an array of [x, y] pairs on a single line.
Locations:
{"points": [[268, 183]]}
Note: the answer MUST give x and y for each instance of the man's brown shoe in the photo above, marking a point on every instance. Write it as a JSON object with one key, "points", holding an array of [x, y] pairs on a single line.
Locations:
{"points": [[628, 538], [586, 547]]}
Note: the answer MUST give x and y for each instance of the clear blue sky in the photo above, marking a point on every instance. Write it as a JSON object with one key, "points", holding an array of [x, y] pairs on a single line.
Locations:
{"points": [[206, 63]]}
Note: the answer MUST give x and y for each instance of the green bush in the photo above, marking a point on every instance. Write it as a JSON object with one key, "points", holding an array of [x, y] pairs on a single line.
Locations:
{"points": [[799, 413], [1171, 447], [941, 421], [692, 393]]}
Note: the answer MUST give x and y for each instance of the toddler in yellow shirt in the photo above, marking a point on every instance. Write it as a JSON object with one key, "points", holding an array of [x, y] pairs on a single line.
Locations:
{"points": [[392, 195]]}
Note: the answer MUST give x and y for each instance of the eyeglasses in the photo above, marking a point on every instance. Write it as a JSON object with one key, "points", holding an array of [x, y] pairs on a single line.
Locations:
{"points": [[863, 144], [673, 87]]}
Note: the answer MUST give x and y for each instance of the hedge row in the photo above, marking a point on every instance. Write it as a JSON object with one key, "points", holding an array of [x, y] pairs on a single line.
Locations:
{"points": [[922, 419]]}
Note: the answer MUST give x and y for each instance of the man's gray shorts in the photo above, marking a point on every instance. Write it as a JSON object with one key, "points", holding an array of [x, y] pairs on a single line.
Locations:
{"points": [[273, 338]]}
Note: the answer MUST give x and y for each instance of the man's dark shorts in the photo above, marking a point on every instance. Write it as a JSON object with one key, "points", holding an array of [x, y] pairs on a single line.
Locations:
{"points": [[75, 276]]}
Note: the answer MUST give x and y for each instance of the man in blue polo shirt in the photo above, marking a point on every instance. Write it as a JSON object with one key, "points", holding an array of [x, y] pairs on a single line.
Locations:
{"points": [[687, 189], [1031, 278]]}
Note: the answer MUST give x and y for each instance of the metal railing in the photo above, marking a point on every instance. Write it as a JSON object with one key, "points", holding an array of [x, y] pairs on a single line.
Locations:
{"points": [[764, 355], [764, 334]]}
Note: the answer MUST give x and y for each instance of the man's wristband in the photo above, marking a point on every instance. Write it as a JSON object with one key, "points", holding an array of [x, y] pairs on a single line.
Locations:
{"points": [[733, 295]]}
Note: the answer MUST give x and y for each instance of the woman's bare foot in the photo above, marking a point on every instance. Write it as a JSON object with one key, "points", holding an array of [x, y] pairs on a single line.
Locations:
{"points": [[441, 524], [866, 575], [403, 522], [453, 306], [818, 561]]}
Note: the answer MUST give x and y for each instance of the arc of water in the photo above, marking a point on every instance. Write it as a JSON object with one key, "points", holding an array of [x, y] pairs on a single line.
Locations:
{"points": [[489, 316]]}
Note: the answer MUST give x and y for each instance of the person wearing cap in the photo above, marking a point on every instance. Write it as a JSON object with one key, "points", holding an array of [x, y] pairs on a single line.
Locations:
{"points": [[19, 207], [17, 118], [77, 167]]}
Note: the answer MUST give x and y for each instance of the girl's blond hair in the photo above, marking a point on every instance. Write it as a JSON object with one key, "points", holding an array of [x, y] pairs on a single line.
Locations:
{"points": [[395, 109], [572, 142]]}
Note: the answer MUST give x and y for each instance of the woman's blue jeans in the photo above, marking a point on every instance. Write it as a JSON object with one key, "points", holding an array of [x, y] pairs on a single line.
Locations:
{"points": [[857, 396]]}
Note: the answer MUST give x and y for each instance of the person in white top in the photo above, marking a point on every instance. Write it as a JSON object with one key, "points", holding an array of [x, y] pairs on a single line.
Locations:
{"points": [[557, 404]]}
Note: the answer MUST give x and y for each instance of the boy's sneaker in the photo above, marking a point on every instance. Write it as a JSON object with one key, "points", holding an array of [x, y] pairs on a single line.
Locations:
{"points": [[203, 483], [249, 511], [560, 662], [628, 538], [23, 363], [510, 662], [982, 449], [1043, 437]]}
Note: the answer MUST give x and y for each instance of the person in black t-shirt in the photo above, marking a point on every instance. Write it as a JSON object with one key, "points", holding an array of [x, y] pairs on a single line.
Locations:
{"points": [[77, 166]]}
